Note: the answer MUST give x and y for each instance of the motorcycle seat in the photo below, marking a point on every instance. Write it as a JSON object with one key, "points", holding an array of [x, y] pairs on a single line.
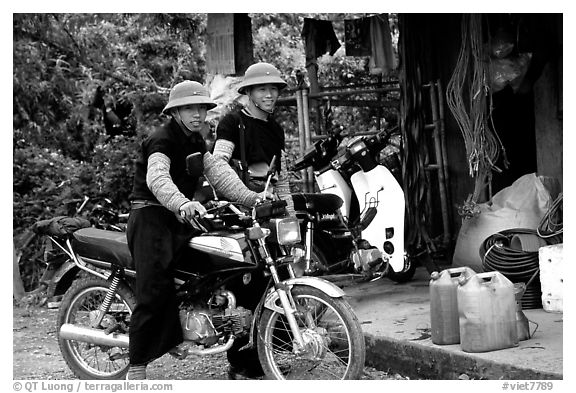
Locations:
{"points": [[316, 203], [102, 245]]}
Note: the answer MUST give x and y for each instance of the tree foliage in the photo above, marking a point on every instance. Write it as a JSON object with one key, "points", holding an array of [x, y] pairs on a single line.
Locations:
{"points": [[60, 61]]}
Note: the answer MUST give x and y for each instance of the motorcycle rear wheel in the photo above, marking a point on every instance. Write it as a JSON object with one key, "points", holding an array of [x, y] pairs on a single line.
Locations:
{"points": [[91, 361], [336, 343]]}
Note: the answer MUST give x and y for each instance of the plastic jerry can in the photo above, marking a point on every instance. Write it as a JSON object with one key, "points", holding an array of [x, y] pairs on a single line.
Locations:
{"points": [[444, 324], [487, 312]]}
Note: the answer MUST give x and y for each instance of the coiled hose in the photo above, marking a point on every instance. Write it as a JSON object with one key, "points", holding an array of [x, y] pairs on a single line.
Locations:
{"points": [[515, 263]]}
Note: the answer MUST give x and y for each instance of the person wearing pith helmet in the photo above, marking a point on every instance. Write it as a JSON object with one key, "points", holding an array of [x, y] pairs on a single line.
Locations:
{"points": [[162, 201], [261, 74], [247, 140]]}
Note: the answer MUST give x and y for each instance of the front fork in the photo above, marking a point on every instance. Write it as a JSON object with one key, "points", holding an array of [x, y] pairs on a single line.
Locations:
{"points": [[285, 298], [309, 245]]}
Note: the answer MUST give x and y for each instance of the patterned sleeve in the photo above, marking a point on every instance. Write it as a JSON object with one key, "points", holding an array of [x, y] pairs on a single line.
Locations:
{"points": [[283, 186], [223, 149], [161, 184], [223, 178]]}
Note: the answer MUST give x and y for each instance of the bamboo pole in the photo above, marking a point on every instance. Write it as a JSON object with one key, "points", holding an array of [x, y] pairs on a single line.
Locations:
{"points": [[307, 137], [352, 92], [327, 94], [301, 141], [443, 142], [440, 172]]}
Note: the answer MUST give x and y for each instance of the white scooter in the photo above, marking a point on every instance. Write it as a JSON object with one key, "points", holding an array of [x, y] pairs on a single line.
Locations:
{"points": [[363, 229]]}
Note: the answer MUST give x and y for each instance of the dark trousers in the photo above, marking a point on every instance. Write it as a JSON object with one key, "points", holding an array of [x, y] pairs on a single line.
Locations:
{"points": [[155, 238], [247, 296]]}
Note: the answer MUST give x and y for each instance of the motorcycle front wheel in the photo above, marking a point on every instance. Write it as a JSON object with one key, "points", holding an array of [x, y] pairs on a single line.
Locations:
{"points": [[78, 307], [334, 349]]}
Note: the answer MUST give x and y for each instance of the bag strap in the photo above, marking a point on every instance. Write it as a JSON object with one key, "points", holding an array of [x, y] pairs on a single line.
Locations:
{"points": [[243, 163]]}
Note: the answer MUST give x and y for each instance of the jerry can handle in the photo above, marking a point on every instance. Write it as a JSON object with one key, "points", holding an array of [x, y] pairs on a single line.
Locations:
{"points": [[455, 272]]}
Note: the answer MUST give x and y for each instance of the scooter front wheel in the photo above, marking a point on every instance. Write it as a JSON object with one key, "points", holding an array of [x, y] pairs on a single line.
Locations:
{"points": [[79, 306], [334, 343], [404, 275]]}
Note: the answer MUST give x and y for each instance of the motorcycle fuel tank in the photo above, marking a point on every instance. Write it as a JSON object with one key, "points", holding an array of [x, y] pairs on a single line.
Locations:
{"points": [[209, 253]]}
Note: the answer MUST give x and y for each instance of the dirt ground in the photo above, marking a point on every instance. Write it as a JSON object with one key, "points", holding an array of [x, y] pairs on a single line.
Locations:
{"points": [[36, 354]]}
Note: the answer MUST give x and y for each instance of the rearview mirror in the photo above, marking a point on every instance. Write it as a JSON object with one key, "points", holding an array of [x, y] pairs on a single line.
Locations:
{"points": [[195, 164]]}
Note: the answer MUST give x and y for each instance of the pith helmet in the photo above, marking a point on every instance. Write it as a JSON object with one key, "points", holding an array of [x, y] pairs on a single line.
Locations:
{"points": [[188, 93], [260, 74]]}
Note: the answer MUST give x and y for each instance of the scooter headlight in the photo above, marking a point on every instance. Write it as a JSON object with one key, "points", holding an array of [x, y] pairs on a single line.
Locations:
{"points": [[287, 231]]}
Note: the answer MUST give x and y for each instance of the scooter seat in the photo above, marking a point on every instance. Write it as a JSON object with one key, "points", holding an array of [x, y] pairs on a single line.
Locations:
{"points": [[317, 203], [102, 245]]}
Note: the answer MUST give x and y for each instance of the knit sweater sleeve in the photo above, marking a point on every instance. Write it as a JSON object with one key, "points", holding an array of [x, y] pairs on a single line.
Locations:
{"points": [[161, 184], [223, 149], [282, 186], [225, 180]]}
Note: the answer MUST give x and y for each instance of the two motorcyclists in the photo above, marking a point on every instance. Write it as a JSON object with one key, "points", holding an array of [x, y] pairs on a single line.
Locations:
{"points": [[234, 290], [162, 201]]}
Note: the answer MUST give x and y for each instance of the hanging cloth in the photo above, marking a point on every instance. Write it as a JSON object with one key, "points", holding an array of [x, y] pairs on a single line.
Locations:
{"points": [[357, 37], [319, 38], [382, 59]]}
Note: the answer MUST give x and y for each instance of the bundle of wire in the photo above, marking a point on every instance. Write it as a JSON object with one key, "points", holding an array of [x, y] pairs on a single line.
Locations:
{"points": [[552, 223], [514, 263], [483, 146]]}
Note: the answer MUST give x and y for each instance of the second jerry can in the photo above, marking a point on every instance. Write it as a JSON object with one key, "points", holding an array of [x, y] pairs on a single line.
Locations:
{"points": [[487, 312]]}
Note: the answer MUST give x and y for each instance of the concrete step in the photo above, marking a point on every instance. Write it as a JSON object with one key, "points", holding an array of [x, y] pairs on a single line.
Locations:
{"points": [[395, 319]]}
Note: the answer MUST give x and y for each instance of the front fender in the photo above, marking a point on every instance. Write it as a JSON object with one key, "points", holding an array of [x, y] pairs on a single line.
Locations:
{"points": [[271, 301]]}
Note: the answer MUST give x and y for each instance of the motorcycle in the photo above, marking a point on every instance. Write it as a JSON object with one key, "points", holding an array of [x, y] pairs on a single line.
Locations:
{"points": [[57, 270], [354, 229], [303, 327]]}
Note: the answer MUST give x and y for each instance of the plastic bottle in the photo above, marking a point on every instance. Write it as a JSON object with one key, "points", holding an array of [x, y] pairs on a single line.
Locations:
{"points": [[444, 325], [487, 312]]}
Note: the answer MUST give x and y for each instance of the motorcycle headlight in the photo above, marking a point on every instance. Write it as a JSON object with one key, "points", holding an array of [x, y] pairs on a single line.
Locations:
{"points": [[288, 231]]}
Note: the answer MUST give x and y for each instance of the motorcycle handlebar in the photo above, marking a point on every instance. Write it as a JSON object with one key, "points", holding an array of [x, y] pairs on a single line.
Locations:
{"points": [[383, 137]]}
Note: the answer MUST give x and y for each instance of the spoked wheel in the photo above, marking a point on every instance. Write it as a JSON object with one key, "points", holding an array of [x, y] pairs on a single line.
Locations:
{"points": [[79, 307], [334, 343]]}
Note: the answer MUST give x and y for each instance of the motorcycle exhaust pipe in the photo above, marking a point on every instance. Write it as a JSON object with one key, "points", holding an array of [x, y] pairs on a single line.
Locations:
{"points": [[69, 331]]}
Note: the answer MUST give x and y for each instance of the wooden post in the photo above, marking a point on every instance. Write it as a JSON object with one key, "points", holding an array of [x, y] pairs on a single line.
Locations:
{"points": [[312, 71], [443, 139], [440, 163], [301, 137], [307, 138]]}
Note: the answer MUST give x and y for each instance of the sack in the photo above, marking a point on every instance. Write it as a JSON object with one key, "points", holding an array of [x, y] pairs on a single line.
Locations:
{"points": [[521, 205], [60, 225]]}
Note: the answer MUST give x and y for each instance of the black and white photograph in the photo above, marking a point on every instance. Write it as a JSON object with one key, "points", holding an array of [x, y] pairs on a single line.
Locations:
{"points": [[367, 196]]}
